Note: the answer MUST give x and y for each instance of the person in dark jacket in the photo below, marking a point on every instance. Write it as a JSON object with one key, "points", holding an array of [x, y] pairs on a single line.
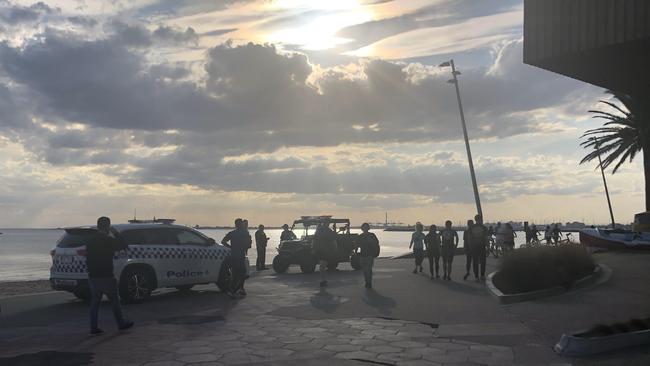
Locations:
{"points": [[287, 234], [240, 241], [479, 242], [449, 243], [432, 242], [260, 243], [468, 248], [369, 245], [99, 262], [325, 247]]}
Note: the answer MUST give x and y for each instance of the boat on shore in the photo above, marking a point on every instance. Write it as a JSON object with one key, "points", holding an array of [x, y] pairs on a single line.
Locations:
{"points": [[615, 239]]}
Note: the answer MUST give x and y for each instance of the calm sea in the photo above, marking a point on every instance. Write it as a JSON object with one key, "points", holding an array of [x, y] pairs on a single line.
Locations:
{"points": [[24, 253]]}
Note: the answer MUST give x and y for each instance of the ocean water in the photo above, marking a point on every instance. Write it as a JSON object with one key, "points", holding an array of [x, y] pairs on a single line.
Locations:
{"points": [[25, 253]]}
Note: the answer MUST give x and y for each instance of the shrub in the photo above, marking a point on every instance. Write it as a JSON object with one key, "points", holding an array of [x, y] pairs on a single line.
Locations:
{"points": [[538, 268]]}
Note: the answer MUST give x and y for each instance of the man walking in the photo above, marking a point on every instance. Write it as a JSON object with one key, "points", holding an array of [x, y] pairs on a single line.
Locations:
{"points": [[100, 250], [260, 244], [325, 248], [240, 241], [449, 239], [432, 242], [369, 245], [479, 242], [468, 248]]}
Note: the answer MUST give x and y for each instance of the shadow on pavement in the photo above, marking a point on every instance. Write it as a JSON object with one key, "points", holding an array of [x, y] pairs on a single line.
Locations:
{"points": [[49, 358], [382, 303]]}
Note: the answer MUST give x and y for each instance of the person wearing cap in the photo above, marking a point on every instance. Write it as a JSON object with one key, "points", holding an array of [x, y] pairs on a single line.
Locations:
{"points": [[287, 234], [369, 245]]}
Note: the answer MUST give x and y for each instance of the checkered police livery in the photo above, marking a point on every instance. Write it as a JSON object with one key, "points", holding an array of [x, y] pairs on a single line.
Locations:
{"points": [[170, 255]]}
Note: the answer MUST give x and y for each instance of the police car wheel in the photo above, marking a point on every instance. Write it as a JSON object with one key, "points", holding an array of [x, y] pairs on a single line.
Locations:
{"points": [[184, 288], [280, 263], [136, 286], [225, 276], [355, 262]]}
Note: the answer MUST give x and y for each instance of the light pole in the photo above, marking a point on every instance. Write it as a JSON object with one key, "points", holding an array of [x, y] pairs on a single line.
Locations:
{"points": [[454, 81]]}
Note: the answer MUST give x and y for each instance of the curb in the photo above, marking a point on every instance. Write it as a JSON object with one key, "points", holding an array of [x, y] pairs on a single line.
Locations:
{"points": [[600, 275], [572, 346]]}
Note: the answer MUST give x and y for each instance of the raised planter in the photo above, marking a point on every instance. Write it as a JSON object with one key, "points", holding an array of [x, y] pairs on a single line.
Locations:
{"points": [[576, 345], [601, 274]]}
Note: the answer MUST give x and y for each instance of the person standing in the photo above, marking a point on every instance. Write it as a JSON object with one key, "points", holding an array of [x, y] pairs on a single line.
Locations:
{"points": [[239, 240], [260, 243], [468, 248], [548, 234], [325, 248], [449, 239], [509, 236], [287, 234], [499, 234], [432, 242], [100, 250], [369, 245], [417, 243], [479, 242], [556, 234]]}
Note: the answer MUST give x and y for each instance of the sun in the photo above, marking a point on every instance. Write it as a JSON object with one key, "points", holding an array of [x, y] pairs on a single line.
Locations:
{"points": [[317, 23]]}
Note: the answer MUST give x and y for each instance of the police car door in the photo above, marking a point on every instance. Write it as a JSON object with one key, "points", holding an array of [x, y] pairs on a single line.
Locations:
{"points": [[195, 257]]}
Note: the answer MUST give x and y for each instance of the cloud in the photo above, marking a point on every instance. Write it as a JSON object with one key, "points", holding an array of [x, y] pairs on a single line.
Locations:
{"points": [[15, 14]]}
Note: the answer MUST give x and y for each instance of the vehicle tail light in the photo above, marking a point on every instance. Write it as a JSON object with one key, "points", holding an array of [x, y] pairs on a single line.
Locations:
{"points": [[81, 252]]}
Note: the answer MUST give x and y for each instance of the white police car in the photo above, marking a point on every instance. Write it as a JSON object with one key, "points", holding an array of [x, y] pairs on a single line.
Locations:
{"points": [[159, 255]]}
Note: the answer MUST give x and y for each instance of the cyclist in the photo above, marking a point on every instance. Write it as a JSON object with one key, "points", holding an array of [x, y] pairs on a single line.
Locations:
{"points": [[449, 239], [432, 242]]}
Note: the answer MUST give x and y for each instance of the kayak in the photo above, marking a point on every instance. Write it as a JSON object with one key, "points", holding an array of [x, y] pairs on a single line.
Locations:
{"points": [[615, 239]]}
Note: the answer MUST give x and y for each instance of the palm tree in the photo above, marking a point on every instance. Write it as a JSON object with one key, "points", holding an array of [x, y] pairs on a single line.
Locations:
{"points": [[624, 134]]}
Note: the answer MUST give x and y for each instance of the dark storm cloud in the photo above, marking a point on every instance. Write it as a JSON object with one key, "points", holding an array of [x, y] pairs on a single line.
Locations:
{"points": [[138, 36], [15, 14]]}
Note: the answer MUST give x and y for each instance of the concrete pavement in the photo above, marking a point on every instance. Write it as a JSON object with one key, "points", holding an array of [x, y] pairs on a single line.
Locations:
{"points": [[406, 319]]}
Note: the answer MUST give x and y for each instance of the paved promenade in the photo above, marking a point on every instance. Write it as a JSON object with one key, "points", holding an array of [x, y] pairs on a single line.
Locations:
{"points": [[406, 319]]}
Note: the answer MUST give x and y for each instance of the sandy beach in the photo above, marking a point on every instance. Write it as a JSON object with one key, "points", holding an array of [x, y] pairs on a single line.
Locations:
{"points": [[24, 287]]}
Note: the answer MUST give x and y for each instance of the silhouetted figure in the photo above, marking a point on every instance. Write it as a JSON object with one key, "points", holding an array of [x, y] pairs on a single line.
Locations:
{"points": [[260, 243], [369, 245], [239, 240], [417, 243], [449, 239], [287, 234], [528, 231], [499, 235], [468, 248], [556, 232], [548, 234], [325, 248], [100, 250], [509, 236], [432, 242], [479, 242]]}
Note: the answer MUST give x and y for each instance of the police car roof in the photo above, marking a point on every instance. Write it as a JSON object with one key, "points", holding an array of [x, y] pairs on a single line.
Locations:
{"points": [[124, 227]]}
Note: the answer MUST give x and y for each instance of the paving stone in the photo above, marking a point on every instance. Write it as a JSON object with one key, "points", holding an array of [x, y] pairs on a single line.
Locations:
{"points": [[446, 358], [416, 363], [382, 349], [305, 346], [204, 357], [408, 344], [230, 344], [342, 347], [470, 354], [223, 337], [292, 340], [378, 332], [413, 334], [398, 356], [492, 361], [272, 352], [450, 346], [193, 350], [363, 355], [368, 342], [211, 363], [426, 351], [312, 330], [262, 345], [190, 344], [391, 338]]}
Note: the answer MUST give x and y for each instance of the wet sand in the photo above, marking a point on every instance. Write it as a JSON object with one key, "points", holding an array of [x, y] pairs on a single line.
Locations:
{"points": [[24, 287]]}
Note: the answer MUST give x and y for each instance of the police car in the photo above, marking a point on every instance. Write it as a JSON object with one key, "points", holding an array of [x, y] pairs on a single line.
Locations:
{"points": [[159, 255]]}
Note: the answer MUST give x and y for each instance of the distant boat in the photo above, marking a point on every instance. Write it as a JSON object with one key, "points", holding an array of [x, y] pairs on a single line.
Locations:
{"points": [[615, 239], [400, 228]]}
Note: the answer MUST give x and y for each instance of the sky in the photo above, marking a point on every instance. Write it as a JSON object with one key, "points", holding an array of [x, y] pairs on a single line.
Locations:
{"points": [[271, 109]]}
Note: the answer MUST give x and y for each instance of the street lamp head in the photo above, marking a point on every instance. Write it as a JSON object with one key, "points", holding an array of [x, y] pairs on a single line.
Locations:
{"points": [[445, 64]]}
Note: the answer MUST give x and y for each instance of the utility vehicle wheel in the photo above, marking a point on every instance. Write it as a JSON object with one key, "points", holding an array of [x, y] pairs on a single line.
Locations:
{"points": [[184, 288], [308, 265], [355, 262], [225, 277], [331, 265], [280, 263], [136, 285], [83, 295]]}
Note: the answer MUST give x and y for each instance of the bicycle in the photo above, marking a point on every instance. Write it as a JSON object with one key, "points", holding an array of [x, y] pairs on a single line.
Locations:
{"points": [[493, 248], [568, 239]]}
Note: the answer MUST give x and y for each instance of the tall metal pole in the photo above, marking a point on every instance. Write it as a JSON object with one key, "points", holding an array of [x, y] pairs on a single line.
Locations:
{"points": [[469, 151], [602, 172]]}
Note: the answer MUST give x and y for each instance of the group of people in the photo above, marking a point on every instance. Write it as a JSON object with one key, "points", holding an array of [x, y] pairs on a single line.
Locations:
{"points": [[436, 244], [552, 234]]}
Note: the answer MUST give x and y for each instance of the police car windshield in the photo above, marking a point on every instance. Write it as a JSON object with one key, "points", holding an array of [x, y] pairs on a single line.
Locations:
{"points": [[75, 238]]}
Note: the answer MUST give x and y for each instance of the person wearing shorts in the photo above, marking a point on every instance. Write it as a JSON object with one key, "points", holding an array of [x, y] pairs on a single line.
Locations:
{"points": [[417, 243], [449, 241]]}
